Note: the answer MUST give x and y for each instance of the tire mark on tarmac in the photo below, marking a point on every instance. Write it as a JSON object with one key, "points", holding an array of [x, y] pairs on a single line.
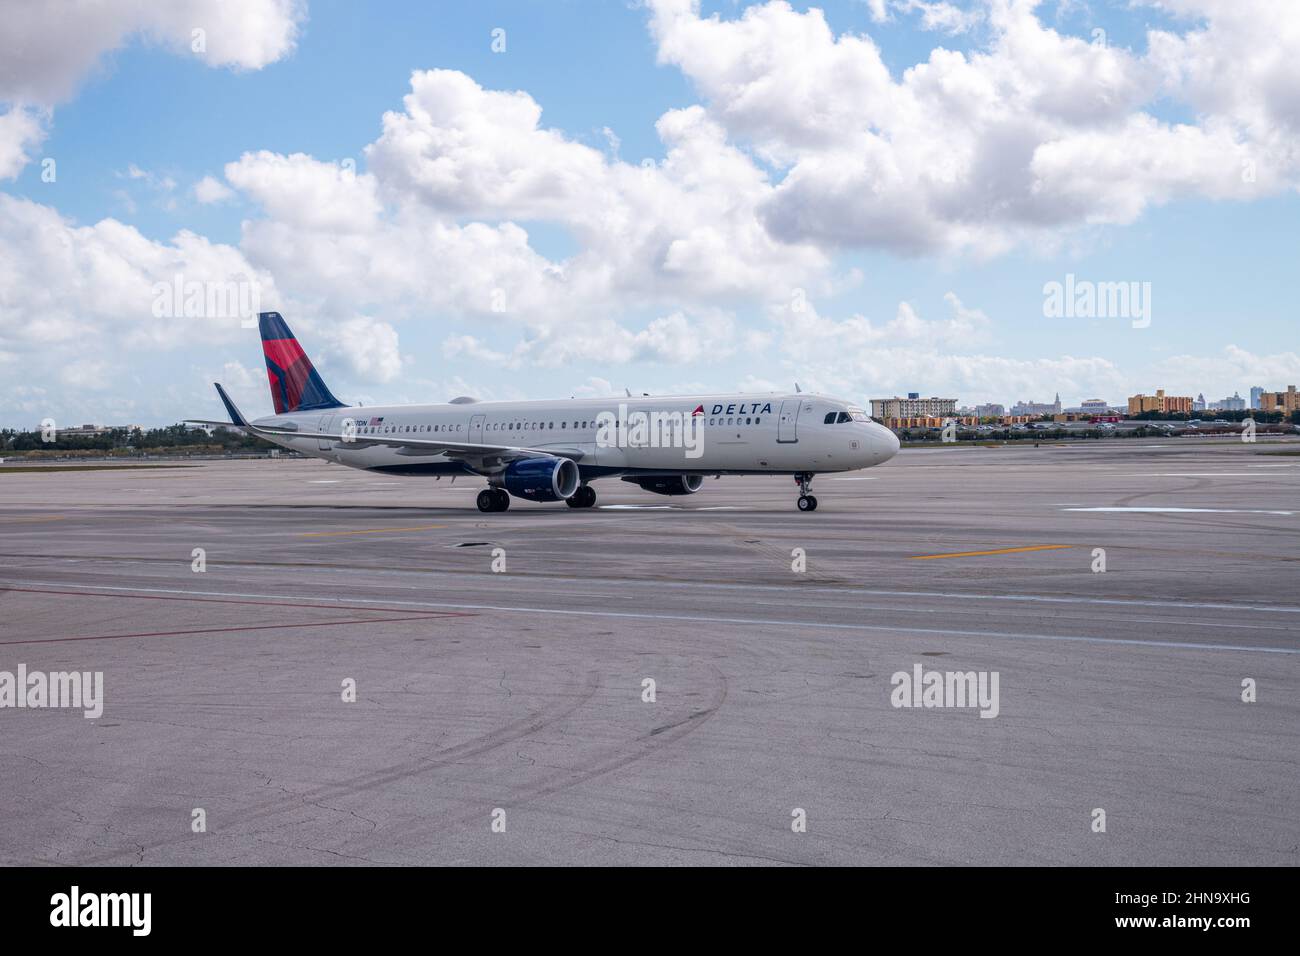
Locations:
{"points": [[403, 614], [474, 747], [609, 760]]}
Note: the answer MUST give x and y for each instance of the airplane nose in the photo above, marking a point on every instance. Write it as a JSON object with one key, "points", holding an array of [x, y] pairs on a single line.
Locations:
{"points": [[884, 443]]}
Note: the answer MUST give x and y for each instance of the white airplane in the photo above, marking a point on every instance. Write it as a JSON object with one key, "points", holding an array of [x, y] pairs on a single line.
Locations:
{"points": [[553, 450]]}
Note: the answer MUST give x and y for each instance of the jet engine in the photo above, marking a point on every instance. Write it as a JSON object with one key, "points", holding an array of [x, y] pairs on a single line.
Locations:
{"points": [[541, 479], [670, 484]]}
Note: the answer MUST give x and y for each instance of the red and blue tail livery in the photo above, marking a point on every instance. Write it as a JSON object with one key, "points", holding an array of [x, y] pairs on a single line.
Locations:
{"points": [[296, 386]]}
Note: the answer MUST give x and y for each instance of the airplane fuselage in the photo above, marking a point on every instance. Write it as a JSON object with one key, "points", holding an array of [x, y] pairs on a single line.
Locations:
{"points": [[705, 435], [551, 451]]}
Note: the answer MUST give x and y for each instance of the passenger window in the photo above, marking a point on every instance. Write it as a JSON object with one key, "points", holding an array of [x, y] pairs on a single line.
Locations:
{"points": [[748, 422], [757, 420]]}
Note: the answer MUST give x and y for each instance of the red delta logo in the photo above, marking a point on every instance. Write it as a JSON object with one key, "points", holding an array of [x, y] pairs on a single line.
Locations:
{"points": [[699, 410]]}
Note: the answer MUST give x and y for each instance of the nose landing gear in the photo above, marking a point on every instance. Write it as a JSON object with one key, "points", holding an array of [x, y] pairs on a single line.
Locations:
{"points": [[807, 502]]}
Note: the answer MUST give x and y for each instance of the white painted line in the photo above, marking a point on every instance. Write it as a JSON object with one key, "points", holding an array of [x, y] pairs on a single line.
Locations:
{"points": [[1207, 511], [724, 586], [667, 508], [752, 622]]}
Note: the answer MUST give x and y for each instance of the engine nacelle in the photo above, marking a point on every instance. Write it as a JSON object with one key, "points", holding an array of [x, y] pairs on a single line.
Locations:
{"points": [[541, 479], [670, 484]]}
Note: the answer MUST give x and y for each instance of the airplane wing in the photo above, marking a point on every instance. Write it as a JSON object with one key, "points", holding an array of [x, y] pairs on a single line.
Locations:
{"points": [[487, 457], [205, 421], [428, 446]]}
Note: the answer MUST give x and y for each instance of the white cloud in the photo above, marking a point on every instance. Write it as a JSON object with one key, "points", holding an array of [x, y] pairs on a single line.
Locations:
{"points": [[939, 15], [686, 228], [21, 131], [367, 347], [1232, 369], [74, 288], [1030, 134], [430, 229], [49, 47], [209, 190], [856, 357], [674, 339], [302, 192]]}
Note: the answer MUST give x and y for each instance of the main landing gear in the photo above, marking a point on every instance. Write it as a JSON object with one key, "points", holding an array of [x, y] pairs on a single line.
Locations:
{"points": [[806, 501], [493, 499], [584, 497]]}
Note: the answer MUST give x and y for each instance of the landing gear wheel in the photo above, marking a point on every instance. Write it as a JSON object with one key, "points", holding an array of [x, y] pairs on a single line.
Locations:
{"points": [[806, 500], [584, 497], [493, 499]]}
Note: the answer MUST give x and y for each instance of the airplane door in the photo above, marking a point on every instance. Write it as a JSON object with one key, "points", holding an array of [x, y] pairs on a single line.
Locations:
{"points": [[476, 429], [324, 443], [785, 425]]}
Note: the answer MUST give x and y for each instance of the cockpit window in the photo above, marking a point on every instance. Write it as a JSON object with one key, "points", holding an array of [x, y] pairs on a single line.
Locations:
{"points": [[829, 419], [858, 415], [844, 417]]}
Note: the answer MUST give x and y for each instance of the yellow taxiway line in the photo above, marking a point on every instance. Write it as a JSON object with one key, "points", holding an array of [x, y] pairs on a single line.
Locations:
{"points": [[972, 554]]}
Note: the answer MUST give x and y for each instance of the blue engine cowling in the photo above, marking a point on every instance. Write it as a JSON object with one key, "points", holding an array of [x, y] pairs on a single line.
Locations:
{"points": [[670, 484], [541, 479]]}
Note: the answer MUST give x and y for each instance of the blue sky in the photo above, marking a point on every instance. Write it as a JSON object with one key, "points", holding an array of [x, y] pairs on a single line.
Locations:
{"points": [[1219, 260]]}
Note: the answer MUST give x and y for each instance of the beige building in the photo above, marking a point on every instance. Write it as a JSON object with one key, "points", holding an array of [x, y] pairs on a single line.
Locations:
{"points": [[1287, 401], [926, 422], [913, 407], [1160, 402]]}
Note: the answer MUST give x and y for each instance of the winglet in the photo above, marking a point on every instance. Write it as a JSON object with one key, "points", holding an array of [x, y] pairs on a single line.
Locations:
{"points": [[231, 410]]}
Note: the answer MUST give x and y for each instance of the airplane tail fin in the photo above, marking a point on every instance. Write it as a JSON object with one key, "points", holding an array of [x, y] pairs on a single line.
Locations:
{"points": [[295, 384]]}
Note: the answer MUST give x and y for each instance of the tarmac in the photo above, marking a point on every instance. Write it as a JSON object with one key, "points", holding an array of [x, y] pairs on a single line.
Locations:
{"points": [[502, 713]]}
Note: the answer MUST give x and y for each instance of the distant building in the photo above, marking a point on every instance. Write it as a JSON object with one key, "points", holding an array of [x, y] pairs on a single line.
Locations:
{"points": [[1256, 393], [913, 407], [1234, 404], [928, 421], [1288, 401], [89, 430], [1160, 402], [1037, 408], [1094, 407], [990, 411], [83, 431]]}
